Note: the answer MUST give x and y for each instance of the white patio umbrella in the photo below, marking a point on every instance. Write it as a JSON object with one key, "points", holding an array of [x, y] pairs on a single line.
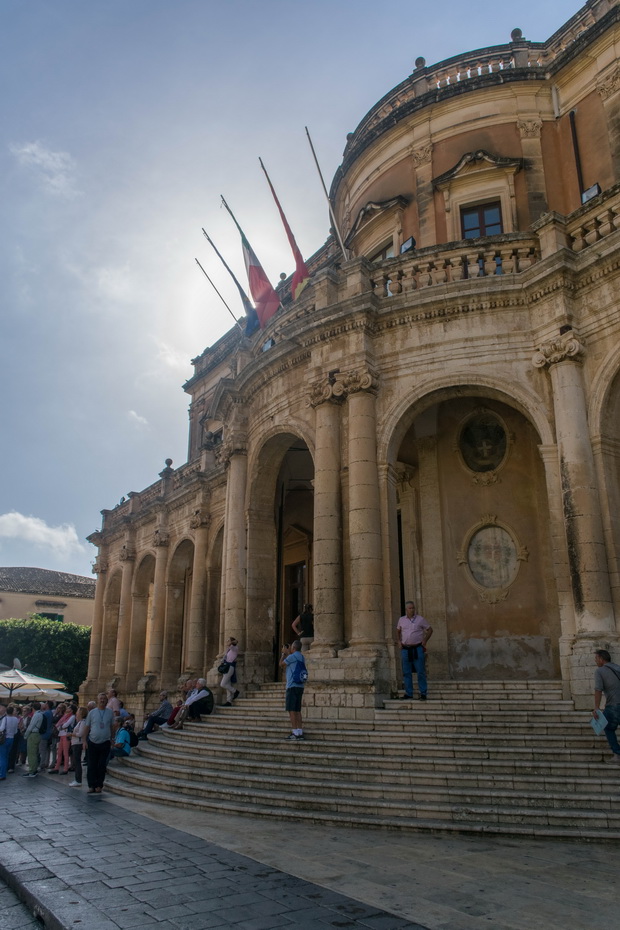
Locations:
{"points": [[14, 680], [41, 694]]}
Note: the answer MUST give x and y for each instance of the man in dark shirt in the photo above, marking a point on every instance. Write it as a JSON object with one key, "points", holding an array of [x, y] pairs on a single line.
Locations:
{"points": [[607, 682], [159, 716]]}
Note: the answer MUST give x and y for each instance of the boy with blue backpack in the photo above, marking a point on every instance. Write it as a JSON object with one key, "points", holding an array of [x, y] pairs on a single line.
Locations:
{"points": [[296, 677]]}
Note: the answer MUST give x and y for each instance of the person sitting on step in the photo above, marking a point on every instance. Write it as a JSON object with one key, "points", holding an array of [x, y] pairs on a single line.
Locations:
{"points": [[199, 701]]}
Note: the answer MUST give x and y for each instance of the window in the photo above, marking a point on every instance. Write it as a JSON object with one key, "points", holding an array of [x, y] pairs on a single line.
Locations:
{"points": [[48, 616], [386, 252], [484, 219]]}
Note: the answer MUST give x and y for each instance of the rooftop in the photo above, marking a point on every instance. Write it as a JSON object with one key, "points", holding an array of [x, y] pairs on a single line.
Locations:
{"points": [[44, 581]]}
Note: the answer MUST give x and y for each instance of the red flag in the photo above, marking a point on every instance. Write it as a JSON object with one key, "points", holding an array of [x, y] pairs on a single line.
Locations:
{"points": [[301, 276], [265, 298]]}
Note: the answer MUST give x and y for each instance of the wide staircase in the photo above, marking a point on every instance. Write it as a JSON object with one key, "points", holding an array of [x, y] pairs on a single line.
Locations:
{"points": [[507, 758]]}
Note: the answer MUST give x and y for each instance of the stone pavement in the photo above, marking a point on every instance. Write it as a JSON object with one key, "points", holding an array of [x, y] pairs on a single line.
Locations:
{"points": [[13, 914], [80, 862]]}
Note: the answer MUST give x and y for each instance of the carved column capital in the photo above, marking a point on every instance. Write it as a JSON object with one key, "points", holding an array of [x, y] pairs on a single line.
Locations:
{"points": [[200, 519], [339, 388], [127, 553], [610, 84], [565, 348], [421, 156], [530, 128], [232, 445], [100, 566], [161, 538]]}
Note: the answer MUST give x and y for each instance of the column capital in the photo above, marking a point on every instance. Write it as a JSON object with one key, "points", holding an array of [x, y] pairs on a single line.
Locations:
{"points": [[201, 519], [100, 565], [161, 538], [127, 553], [421, 156], [566, 348], [354, 382], [232, 445], [610, 84], [529, 127]]}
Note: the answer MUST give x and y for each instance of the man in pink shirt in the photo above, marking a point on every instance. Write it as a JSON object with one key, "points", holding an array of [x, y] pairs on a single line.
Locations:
{"points": [[413, 634]]}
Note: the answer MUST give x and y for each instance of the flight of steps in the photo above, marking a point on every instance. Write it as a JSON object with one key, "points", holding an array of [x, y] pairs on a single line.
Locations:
{"points": [[484, 757]]}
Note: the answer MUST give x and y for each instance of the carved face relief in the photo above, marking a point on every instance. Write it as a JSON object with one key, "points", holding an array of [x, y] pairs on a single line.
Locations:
{"points": [[483, 442], [492, 557]]}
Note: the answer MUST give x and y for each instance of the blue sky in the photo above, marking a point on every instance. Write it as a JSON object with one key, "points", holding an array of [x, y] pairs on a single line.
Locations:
{"points": [[121, 122]]}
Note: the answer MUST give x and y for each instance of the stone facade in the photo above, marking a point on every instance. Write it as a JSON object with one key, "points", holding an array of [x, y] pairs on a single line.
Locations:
{"points": [[442, 425]]}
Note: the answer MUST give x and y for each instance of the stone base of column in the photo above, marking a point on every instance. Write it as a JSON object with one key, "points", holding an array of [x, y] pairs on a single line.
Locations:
{"points": [[581, 664], [346, 687], [323, 650]]}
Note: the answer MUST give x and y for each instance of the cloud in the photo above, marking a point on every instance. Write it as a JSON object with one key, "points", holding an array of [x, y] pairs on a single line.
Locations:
{"points": [[137, 419], [170, 356], [54, 170], [62, 540]]}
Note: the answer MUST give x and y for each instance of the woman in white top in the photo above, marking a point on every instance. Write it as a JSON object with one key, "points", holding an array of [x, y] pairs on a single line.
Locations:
{"points": [[229, 678], [76, 747]]}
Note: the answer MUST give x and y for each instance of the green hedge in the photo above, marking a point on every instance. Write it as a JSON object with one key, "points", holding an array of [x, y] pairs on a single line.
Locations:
{"points": [[47, 648]]}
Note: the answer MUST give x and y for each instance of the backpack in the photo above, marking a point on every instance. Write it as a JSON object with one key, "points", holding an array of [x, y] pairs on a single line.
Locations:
{"points": [[299, 674], [43, 727], [133, 739]]}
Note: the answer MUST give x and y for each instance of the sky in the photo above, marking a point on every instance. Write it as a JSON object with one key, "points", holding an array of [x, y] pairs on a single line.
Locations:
{"points": [[121, 123]]}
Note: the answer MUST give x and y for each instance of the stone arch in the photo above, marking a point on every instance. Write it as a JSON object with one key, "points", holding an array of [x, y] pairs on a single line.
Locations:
{"points": [[294, 428], [111, 608], [141, 605], [600, 391], [274, 498], [178, 599], [399, 418], [498, 628]]}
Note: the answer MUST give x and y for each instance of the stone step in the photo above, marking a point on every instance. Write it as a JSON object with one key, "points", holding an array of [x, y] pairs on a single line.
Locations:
{"points": [[499, 810], [586, 764], [451, 685], [293, 812], [425, 713], [566, 783]]}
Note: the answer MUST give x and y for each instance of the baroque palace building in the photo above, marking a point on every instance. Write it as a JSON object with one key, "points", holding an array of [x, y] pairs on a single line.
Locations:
{"points": [[437, 417]]}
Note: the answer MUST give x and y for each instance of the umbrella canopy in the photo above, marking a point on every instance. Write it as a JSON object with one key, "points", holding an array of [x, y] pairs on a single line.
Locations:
{"points": [[14, 680], [40, 694]]}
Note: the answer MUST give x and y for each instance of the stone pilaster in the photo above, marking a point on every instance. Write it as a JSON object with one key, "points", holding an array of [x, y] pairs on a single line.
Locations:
{"points": [[530, 128], [583, 526], [235, 543], [155, 631], [433, 581], [100, 568], [422, 162], [127, 557], [327, 536], [197, 628]]}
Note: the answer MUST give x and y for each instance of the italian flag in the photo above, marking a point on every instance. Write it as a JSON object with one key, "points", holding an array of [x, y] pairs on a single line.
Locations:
{"points": [[265, 298]]}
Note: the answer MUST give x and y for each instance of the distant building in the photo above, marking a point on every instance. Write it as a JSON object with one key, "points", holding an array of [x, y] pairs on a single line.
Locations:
{"points": [[54, 595], [437, 417]]}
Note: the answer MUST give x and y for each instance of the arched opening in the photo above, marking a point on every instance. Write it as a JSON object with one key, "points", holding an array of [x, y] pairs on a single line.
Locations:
{"points": [[141, 609], [473, 547], [111, 607], [279, 549], [178, 600]]}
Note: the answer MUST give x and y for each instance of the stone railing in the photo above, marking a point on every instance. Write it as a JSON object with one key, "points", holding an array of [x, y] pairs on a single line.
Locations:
{"points": [[594, 222], [458, 261]]}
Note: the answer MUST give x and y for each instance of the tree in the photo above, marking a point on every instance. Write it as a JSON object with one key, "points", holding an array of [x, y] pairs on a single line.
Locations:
{"points": [[47, 648]]}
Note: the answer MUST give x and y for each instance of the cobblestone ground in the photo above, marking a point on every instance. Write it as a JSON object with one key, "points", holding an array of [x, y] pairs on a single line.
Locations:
{"points": [[93, 866], [13, 914]]}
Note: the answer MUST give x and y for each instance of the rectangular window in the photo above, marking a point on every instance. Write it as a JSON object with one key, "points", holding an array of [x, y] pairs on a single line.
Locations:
{"points": [[485, 219]]}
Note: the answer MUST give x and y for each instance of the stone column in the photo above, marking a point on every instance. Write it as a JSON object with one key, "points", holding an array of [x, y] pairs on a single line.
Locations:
{"points": [[127, 556], [327, 531], [235, 545], [155, 631], [100, 568], [433, 581], [366, 564], [583, 526], [530, 127], [196, 633], [422, 160]]}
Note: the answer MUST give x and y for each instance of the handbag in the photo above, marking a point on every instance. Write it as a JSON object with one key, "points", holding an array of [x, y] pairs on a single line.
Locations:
{"points": [[224, 667]]}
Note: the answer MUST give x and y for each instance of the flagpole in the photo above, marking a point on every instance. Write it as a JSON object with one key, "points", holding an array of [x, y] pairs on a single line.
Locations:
{"points": [[329, 203], [219, 295], [244, 297]]}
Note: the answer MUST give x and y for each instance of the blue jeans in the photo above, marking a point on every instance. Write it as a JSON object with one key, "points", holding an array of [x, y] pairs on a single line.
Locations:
{"points": [[5, 751], [612, 713], [418, 666]]}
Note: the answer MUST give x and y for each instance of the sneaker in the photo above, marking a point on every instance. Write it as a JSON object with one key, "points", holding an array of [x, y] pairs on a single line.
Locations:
{"points": [[53, 772], [406, 697], [614, 759], [291, 736], [75, 784], [236, 695], [30, 774], [227, 704], [422, 697]]}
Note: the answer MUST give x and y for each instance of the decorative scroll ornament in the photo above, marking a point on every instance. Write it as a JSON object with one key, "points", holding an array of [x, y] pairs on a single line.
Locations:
{"points": [[610, 85], [127, 554], [99, 566], [558, 350], [340, 388], [530, 128], [200, 519], [161, 537], [422, 156]]}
